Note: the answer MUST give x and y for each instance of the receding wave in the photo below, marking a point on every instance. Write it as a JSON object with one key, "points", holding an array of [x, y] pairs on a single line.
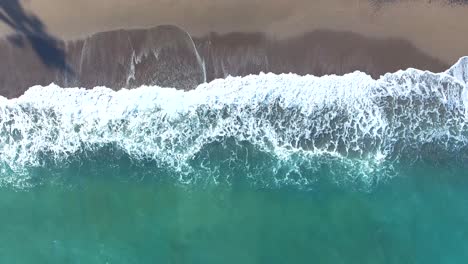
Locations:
{"points": [[272, 129]]}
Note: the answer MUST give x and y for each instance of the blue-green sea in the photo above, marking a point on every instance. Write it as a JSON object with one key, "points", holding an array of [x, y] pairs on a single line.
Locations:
{"points": [[421, 216], [258, 169]]}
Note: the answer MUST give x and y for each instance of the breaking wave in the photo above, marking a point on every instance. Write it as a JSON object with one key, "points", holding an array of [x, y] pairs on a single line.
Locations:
{"points": [[273, 129]]}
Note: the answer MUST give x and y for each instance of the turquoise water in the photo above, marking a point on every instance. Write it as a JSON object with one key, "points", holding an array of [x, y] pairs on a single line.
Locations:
{"points": [[421, 216], [262, 169]]}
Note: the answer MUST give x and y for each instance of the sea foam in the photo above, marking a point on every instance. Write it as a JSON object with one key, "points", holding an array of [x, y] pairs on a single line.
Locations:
{"points": [[406, 116]]}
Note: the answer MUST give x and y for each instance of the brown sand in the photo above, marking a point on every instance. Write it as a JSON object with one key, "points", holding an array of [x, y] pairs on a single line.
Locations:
{"points": [[436, 28], [166, 56]]}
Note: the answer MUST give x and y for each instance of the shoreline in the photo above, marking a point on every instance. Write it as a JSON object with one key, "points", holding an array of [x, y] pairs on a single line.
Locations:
{"points": [[169, 56]]}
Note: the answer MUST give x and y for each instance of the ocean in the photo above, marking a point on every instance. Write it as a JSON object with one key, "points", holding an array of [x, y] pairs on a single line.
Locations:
{"points": [[259, 169]]}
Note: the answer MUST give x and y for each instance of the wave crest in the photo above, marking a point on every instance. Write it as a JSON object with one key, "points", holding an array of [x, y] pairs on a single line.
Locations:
{"points": [[402, 117]]}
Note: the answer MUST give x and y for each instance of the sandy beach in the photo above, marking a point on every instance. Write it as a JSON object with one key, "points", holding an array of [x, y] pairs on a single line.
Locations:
{"points": [[435, 28]]}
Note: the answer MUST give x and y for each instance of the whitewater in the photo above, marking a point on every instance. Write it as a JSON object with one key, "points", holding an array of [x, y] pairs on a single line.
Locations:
{"points": [[358, 128]]}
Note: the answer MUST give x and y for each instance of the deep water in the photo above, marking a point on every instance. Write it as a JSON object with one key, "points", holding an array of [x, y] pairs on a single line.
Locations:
{"points": [[104, 215]]}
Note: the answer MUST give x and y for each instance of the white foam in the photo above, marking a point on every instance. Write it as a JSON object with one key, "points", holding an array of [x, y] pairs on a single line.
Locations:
{"points": [[351, 116], [460, 70]]}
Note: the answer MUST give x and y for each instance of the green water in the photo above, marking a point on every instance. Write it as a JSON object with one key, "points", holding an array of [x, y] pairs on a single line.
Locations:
{"points": [[262, 169], [421, 216]]}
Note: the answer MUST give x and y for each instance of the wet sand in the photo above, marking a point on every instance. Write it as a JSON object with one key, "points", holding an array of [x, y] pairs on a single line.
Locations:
{"points": [[167, 56], [84, 48], [434, 27]]}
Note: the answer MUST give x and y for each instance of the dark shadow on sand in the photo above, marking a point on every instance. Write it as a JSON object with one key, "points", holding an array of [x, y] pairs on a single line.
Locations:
{"points": [[29, 28]]}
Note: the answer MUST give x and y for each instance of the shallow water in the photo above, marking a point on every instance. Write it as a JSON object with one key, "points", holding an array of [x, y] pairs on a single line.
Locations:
{"points": [[421, 216], [261, 169]]}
